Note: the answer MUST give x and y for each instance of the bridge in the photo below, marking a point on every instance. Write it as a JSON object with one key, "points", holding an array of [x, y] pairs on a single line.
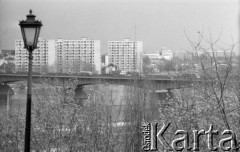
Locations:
{"points": [[152, 83]]}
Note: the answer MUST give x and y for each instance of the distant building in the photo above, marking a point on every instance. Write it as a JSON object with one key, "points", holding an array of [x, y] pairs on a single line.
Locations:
{"points": [[7, 52], [104, 60], [183, 55], [166, 54], [110, 69], [155, 60], [2, 61], [41, 56], [220, 53], [59, 55], [126, 54], [72, 56]]}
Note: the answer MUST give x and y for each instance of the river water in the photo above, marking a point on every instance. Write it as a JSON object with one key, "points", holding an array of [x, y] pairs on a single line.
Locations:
{"points": [[112, 95], [17, 102]]}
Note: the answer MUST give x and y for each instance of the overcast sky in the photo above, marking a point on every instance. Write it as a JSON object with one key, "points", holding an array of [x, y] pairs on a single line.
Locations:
{"points": [[159, 23]]}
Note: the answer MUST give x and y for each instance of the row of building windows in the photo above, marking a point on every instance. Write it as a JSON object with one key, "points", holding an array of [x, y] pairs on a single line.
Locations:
{"points": [[123, 46], [34, 52], [121, 42], [81, 41], [76, 47], [71, 52], [123, 56], [113, 55]]}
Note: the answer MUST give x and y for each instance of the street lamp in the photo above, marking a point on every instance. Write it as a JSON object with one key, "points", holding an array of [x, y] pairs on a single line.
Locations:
{"points": [[30, 32]]}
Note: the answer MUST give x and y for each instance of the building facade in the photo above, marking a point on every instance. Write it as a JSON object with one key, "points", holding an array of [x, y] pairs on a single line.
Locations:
{"points": [[41, 58], [166, 54], [73, 56], [126, 55], [154, 58], [60, 56], [220, 53], [183, 55]]}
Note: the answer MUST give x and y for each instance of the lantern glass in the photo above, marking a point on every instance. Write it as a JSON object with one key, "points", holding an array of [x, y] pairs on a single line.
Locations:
{"points": [[29, 36]]}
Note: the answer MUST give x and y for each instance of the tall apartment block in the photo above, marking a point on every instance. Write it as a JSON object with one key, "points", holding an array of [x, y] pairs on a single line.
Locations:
{"points": [[126, 55], [73, 56], [43, 56], [61, 56]]}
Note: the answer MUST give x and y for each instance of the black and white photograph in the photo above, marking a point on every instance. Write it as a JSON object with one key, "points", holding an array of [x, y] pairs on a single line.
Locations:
{"points": [[119, 75]]}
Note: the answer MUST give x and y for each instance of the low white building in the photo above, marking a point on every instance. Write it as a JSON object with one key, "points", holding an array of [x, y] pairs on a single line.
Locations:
{"points": [[166, 54]]}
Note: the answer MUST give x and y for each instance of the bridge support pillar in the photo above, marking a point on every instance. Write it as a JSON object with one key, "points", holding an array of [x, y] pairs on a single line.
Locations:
{"points": [[5, 93], [80, 95]]}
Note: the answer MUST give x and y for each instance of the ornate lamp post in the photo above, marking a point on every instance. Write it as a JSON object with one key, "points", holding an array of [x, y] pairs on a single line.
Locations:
{"points": [[30, 32]]}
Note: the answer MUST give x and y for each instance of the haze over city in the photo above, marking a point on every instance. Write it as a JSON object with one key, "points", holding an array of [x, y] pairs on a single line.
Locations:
{"points": [[157, 23]]}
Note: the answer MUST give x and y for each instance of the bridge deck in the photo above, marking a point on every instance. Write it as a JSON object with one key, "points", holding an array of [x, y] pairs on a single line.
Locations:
{"points": [[156, 83]]}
